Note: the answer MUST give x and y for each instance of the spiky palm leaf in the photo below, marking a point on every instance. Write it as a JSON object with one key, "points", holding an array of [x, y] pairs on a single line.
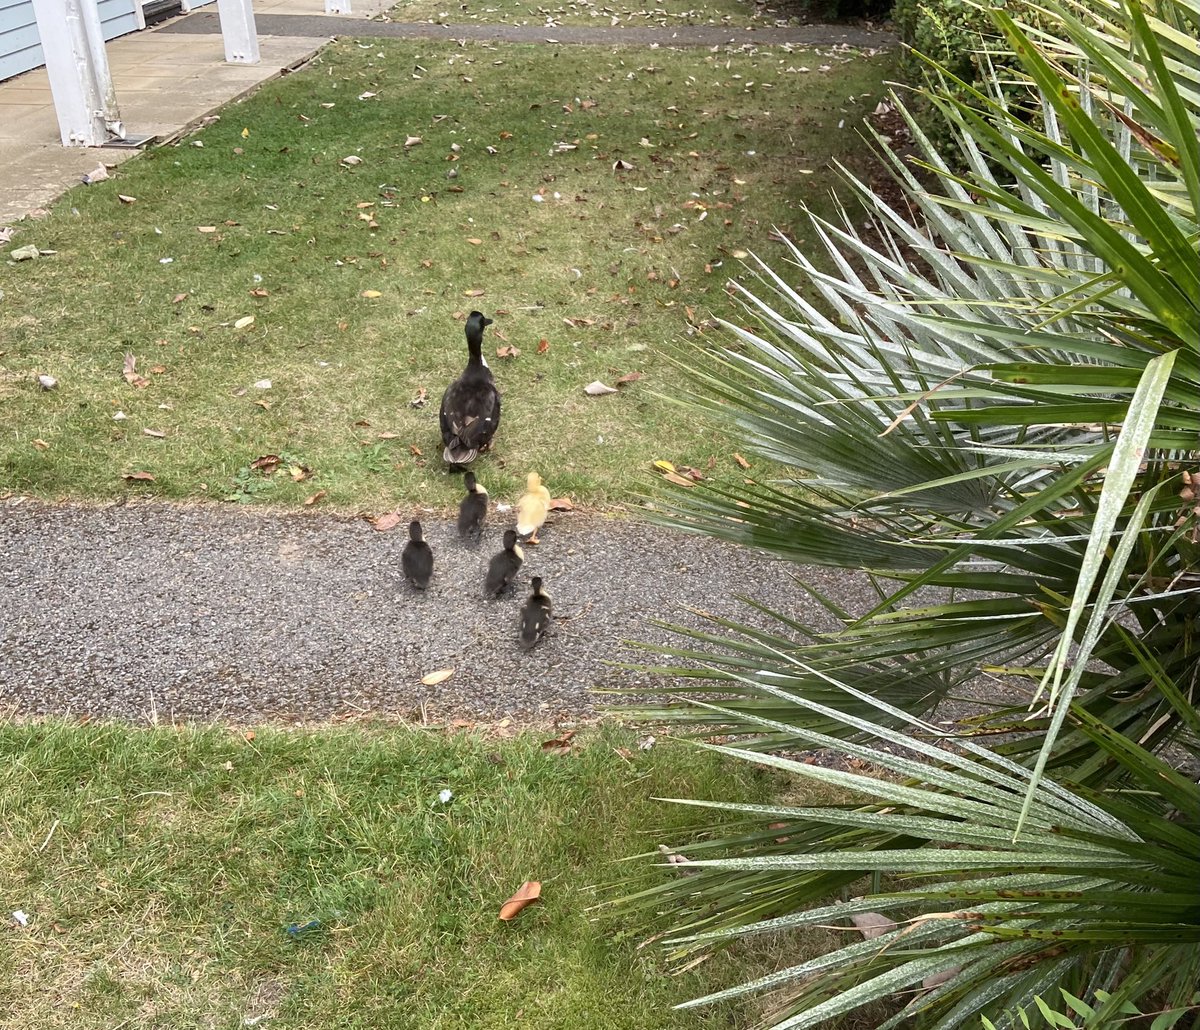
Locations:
{"points": [[997, 400]]}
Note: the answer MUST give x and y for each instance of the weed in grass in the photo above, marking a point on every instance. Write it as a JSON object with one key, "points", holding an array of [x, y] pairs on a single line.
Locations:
{"points": [[608, 267], [163, 867]]}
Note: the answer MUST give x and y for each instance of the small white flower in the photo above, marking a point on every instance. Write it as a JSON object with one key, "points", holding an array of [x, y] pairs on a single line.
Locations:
{"points": [[444, 796]]}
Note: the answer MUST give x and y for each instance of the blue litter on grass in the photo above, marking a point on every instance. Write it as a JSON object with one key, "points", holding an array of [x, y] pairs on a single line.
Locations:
{"points": [[296, 929]]}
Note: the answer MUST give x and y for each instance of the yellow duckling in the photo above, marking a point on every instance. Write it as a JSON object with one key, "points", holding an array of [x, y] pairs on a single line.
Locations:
{"points": [[532, 508]]}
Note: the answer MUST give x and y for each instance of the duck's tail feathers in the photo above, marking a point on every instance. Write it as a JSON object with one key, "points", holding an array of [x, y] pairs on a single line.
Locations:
{"points": [[458, 454]]}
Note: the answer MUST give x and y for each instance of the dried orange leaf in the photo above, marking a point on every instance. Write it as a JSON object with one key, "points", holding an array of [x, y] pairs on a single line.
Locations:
{"points": [[543, 345], [139, 477], [561, 504], [432, 679], [740, 460], [312, 499], [472, 293], [507, 352], [629, 377], [529, 892], [41, 445]]}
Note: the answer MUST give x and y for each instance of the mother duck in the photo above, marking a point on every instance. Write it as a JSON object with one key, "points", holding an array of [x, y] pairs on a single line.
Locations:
{"points": [[471, 404]]}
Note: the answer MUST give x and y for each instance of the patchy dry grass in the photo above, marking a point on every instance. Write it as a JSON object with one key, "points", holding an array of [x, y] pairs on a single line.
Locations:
{"points": [[266, 220], [161, 869]]}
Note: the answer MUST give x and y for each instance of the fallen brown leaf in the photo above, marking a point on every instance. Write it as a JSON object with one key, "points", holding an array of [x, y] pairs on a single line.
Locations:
{"points": [[432, 679], [258, 291], [130, 373], [267, 464], [370, 294], [41, 445], [629, 377], [179, 298], [528, 893], [158, 434], [390, 520], [740, 460], [507, 352], [543, 345], [474, 241], [561, 504], [676, 859], [472, 293], [314, 498], [138, 477], [678, 480], [558, 743], [418, 400], [872, 924], [299, 473], [414, 450]]}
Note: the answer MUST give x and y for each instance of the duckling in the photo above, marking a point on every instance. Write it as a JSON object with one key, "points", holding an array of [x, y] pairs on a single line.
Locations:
{"points": [[470, 412], [504, 566], [472, 510], [532, 508], [417, 558], [535, 615]]}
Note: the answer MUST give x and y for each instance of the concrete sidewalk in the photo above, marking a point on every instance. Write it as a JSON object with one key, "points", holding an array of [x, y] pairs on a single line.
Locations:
{"points": [[165, 82]]}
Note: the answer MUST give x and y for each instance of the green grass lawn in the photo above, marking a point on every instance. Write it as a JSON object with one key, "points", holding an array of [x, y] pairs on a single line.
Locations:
{"points": [[265, 220], [161, 868]]}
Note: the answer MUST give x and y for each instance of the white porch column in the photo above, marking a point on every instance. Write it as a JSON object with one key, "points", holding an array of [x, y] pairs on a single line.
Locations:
{"points": [[77, 64], [238, 31]]}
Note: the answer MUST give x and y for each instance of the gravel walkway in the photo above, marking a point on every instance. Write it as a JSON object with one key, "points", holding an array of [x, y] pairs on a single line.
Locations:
{"points": [[325, 26], [217, 613]]}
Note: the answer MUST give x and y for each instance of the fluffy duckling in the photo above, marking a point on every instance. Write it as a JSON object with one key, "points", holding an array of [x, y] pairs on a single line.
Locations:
{"points": [[472, 510], [504, 566], [470, 412], [417, 558], [532, 508], [535, 615]]}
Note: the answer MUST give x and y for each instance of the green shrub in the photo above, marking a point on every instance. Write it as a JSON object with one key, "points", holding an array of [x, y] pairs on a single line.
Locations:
{"points": [[961, 38]]}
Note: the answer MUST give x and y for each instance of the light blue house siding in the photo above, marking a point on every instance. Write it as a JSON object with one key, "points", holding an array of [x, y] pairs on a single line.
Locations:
{"points": [[20, 48]]}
